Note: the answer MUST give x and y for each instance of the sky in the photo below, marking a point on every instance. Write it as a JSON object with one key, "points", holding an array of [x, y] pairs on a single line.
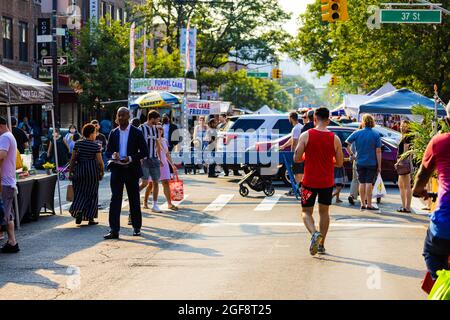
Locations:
{"points": [[296, 7]]}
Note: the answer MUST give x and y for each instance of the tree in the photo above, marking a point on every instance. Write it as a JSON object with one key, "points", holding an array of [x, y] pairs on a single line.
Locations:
{"points": [[253, 93], [99, 66], [241, 29], [414, 56], [307, 90]]}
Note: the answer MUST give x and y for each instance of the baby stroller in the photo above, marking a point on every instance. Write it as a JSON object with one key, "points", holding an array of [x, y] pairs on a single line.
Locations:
{"points": [[63, 172], [192, 166], [256, 182]]}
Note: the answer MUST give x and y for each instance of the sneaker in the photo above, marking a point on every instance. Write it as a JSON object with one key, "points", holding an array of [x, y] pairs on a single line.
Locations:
{"points": [[316, 239], [351, 200], [156, 209], [290, 193], [8, 248], [321, 249]]}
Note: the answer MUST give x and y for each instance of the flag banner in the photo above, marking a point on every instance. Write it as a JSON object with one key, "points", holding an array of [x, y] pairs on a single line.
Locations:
{"points": [[145, 55], [132, 60], [188, 61]]}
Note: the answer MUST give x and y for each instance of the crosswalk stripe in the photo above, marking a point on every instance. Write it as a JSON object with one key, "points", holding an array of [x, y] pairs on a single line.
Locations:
{"points": [[299, 224], [165, 206], [268, 203], [220, 202]]}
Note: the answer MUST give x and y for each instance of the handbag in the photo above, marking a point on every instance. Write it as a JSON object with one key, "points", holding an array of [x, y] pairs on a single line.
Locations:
{"points": [[176, 188], [69, 195], [403, 167]]}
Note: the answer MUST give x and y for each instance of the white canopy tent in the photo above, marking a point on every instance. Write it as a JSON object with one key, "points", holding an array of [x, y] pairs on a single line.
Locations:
{"points": [[19, 89], [265, 110]]}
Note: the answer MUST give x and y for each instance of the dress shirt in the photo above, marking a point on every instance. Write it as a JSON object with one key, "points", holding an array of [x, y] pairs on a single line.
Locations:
{"points": [[123, 144]]}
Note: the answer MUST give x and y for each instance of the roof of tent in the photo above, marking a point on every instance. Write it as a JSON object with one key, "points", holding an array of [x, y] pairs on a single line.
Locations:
{"points": [[398, 102], [387, 87], [17, 88], [265, 110]]}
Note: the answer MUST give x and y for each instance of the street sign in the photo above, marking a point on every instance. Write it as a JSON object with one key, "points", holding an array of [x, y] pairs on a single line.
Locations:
{"points": [[410, 16], [258, 74], [48, 61], [44, 38]]}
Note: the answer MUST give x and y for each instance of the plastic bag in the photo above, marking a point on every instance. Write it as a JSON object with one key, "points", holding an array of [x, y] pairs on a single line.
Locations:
{"points": [[379, 191], [441, 289], [176, 189]]}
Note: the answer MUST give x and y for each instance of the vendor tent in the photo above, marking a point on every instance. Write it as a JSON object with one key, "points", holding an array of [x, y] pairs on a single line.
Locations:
{"points": [[265, 110], [387, 87], [19, 89], [398, 102]]}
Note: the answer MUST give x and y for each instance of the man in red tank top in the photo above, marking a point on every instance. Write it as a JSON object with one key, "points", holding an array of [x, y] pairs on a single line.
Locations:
{"points": [[322, 151]]}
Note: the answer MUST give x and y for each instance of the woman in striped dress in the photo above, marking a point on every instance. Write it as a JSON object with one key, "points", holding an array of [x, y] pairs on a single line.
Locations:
{"points": [[86, 171]]}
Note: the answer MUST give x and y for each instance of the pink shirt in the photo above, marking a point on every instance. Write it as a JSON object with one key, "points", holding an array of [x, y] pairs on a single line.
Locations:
{"points": [[8, 144]]}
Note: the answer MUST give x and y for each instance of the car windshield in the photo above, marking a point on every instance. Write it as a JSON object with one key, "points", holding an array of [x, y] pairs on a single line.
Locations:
{"points": [[388, 133], [247, 124]]}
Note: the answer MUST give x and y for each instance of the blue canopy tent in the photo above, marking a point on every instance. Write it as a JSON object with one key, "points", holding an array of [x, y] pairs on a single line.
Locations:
{"points": [[398, 102]]}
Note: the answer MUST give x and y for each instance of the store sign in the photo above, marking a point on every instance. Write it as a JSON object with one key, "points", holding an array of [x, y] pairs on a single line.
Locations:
{"points": [[175, 85], [205, 108], [44, 33]]}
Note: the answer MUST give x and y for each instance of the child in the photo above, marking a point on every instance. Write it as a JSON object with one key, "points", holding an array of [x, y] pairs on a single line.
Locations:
{"points": [[339, 174]]}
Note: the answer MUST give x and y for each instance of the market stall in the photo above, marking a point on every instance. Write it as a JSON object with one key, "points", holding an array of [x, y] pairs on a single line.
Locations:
{"points": [[19, 89]]}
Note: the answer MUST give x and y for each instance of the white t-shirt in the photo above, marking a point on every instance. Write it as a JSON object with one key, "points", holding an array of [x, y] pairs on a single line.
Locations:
{"points": [[296, 131]]}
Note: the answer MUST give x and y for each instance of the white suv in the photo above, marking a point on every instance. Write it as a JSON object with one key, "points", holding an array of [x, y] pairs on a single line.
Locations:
{"points": [[250, 129]]}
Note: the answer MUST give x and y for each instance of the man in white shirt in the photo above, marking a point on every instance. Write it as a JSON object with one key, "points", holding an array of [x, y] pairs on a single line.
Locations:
{"points": [[292, 142]]}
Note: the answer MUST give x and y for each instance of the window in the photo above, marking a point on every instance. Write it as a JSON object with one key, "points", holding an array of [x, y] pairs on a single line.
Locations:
{"points": [[23, 41], [112, 12], [283, 126], [119, 14], [343, 135], [247, 124], [7, 38]]}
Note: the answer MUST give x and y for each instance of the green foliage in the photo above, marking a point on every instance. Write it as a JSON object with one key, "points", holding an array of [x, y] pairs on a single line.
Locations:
{"points": [[422, 132], [308, 90], [159, 65], [248, 30], [413, 56], [253, 93], [108, 78]]}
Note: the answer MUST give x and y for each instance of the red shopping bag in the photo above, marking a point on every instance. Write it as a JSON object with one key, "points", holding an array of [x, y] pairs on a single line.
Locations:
{"points": [[428, 282], [176, 188]]}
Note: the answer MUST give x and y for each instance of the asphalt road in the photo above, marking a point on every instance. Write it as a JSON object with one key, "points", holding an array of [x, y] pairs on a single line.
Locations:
{"points": [[220, 246]]}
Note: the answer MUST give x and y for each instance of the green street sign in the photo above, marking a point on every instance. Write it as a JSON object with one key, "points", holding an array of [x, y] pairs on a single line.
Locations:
{"points": [[258, 74], [410, 16]]}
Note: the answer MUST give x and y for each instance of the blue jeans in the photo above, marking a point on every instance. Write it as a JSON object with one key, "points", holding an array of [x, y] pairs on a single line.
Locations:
{"points": [[436, 252]]}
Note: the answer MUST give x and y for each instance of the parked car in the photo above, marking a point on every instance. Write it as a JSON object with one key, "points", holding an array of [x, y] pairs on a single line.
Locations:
{"points": [[389, 154], [386, 133]]}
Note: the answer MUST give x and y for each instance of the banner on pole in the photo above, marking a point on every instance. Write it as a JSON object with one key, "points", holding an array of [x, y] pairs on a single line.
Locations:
{"points": [[93, 11], [132, 61], [188, 61]]}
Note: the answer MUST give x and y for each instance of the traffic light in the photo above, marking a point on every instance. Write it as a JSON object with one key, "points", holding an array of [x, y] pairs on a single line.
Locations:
{"points": [[298, 91], [334, 10], [334, 81], [277, 74]]}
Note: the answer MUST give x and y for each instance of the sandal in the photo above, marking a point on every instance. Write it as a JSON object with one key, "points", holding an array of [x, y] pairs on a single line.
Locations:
{"points": [[401, 210], [372, 208], [173, 207]]}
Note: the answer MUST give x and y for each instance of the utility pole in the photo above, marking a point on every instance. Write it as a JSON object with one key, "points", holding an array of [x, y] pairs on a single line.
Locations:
{"points": [[54, 54]]}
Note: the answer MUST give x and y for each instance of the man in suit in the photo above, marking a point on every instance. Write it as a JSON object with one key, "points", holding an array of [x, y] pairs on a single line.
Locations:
{"points": [[126, 147]]}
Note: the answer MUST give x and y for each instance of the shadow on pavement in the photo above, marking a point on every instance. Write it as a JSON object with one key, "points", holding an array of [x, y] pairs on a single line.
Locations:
{"points": [[386, 267]]}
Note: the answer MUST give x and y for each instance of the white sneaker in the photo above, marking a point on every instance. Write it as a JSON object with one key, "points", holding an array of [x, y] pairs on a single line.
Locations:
{"points": [[156, 209]]}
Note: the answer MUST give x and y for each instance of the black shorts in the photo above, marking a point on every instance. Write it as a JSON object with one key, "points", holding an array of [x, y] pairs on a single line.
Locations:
{"points": [[309, 195], [298, 168], [366, 174]]}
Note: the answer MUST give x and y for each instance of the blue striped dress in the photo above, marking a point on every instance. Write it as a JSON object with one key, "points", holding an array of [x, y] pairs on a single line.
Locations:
{"points": [[86, 180]]}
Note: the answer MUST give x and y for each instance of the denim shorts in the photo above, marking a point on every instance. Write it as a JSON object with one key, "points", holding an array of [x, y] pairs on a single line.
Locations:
{"points": [[151, 169], [436, 252]]}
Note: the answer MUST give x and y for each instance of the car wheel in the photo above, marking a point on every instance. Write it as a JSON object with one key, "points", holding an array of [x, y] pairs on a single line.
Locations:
{"points": [[284, 175]]}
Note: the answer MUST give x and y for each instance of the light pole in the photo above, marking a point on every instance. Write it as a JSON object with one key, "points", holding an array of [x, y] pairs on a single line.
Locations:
{"points": [[54, 54]]}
